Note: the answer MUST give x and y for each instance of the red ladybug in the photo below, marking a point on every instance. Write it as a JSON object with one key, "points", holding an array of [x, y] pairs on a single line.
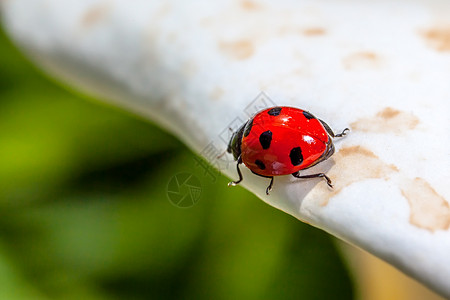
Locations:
{"points": [[280, 141]]}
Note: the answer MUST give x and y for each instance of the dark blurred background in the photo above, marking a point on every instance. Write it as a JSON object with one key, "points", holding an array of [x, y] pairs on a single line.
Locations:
{"points": [[84, 212]]}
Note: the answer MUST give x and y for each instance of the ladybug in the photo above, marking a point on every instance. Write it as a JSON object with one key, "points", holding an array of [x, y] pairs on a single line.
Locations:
{"points": [[282, 140]]}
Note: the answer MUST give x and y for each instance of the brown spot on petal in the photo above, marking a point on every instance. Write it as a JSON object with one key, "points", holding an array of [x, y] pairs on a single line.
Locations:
{"points": [[388, 113], [238, 50], [250, 5], [361, 60], [188, 68], [216, 93], [349, 161], [394, 168], [387, 120], [314, 31], [162, 11], [95, 14], [354, 164], [438, 38], [429, 210], [356, 150]]}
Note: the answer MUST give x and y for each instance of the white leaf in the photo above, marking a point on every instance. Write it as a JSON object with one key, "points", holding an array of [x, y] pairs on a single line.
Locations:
{"points": [[381, 68]]}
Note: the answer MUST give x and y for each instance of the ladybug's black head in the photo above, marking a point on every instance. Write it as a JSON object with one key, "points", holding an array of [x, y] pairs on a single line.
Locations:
{"points": [[234, 146]]}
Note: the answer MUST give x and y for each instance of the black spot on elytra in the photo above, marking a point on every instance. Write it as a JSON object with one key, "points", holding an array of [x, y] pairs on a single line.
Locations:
{"points": [[265, 139], [248, 128], [308, 115], [274, 111], [296, 156], [260, 164]]}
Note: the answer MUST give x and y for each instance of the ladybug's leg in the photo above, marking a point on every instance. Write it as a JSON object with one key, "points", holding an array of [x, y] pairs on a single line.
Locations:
{"points": [[233, 183], [269, 188], [322, 175], [343, 133], [330, 132]]}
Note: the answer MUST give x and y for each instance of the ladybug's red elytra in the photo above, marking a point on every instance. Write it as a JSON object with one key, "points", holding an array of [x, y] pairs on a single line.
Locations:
{"points": [[282, 140]]}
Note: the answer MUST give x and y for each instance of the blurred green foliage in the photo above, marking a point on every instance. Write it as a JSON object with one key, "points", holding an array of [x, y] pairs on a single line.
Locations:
{"points": [[84, 212]]}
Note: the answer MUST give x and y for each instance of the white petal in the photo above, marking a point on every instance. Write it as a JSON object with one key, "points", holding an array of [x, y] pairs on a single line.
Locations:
{"points": [[381, 68]]}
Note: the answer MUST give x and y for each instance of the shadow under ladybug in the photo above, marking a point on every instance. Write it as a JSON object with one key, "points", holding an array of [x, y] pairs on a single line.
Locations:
{"points": [[282, 140]]}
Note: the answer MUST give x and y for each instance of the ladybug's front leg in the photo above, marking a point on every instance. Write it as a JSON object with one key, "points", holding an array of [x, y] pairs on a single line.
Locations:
{"points": [[269, 188], [322, 175], [233, 183], [330, 131]]}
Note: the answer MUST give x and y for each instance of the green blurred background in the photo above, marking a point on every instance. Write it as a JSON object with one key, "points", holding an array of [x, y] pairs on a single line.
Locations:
{"points": [[84, 212]]}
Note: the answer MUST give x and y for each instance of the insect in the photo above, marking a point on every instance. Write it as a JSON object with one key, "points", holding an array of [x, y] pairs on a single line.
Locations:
{"points": [[282, 140]]}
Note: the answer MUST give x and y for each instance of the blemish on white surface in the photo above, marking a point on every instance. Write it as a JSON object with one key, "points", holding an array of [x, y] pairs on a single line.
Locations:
{"points": [[354, 164], [238, 50], [314, 31], [217, 93], [250, 5], [429, 210], [438, 38], [362, 60], [95, 14], [194, 66], [387, 120]]}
